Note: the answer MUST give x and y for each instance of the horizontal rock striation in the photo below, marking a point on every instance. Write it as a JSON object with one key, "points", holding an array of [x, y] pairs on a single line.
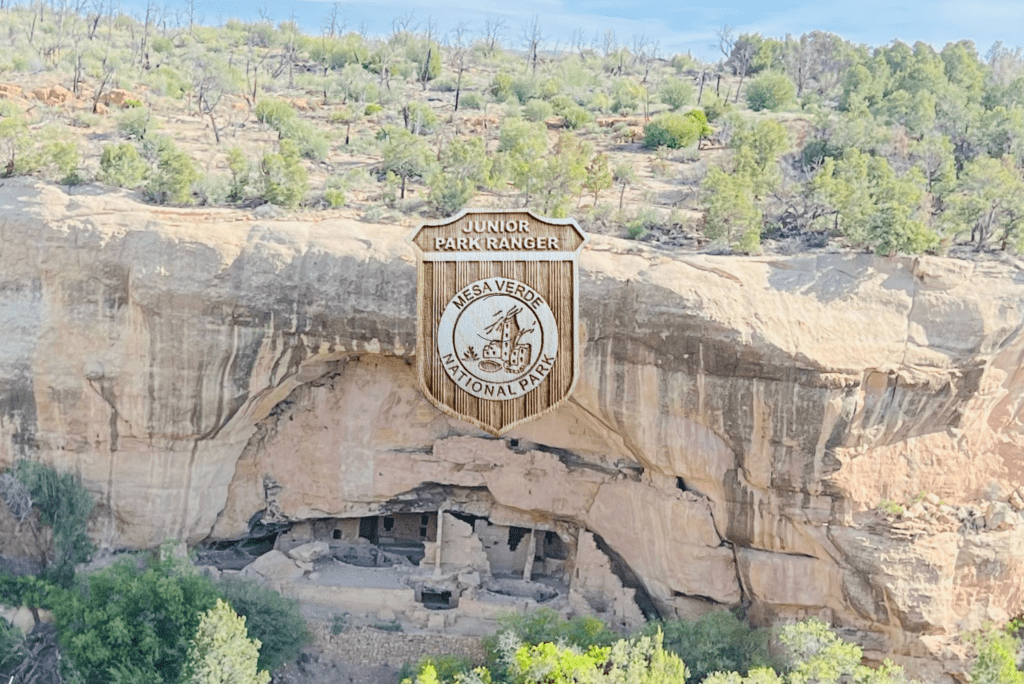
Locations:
{"points": [[736, 424]]}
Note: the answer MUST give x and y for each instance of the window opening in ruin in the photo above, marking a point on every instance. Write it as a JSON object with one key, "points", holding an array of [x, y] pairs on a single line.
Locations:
{"points": [[468, 518], [423, 532], [515, 535], [368, 528], [436, 599], [681, 485], [514, 443], [337, 534], [389, 523], [554, 547], [424, 519]]}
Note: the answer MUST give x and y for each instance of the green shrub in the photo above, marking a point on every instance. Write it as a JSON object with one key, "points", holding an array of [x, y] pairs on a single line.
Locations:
{"points": [[213, 189], [15, 143], [275, 112], [161, 44], [470, 101], [241, 171], [372, 108], [335, 197], [135, 123], [270, 617], [626, 96], [537, 110], [281, 116], [718, 641], [731, 213], [167, 81], [221, 651], [716, 107], [501, 87], [525, 88], [12, 649], [340, 116], [681, 62], [171, 182], [420, 118], [449, 193], [393, 626], [426, 56], [600, 102], [576, 116], [121, 166], [132, 621], [545, 625], [284, 178], [676, 130], [676, 93], [28, 590], [642, 660], [997, 658], [645, 219], [890, 507], [573, 114], [770, 90], [339, 623], [312, 143], [59, 156], [551, 87], [65, 505], [447, 667], [86, 120]]}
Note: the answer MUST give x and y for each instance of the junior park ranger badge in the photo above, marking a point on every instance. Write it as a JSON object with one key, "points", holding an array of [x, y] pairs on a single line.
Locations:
{"points": [[497, 329]]}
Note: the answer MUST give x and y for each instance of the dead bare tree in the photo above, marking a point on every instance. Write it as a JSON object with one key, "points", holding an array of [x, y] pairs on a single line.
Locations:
{"points": [[532, 38], [743, 54], [332, 24], [108, 73], [190, 10], [458, 53], [403, 23], [429, 32], [726, 40], [737, 51], [639, 47], [386, 52], [144, 48], [94, 17], [578, 42], [209, 87], [256, 55], [290, 52], [608, 43], [494, 27]]}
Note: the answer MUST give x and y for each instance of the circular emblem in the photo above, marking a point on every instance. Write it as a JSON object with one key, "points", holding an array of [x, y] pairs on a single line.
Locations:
{"points": [[497, 338]]}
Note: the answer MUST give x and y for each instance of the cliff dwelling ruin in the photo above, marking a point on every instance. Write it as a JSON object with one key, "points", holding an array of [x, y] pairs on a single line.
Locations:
{"points": [[451, 566]]}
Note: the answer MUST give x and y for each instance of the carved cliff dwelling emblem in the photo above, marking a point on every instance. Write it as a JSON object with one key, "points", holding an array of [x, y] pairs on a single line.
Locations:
{"points": [[497, 335]]}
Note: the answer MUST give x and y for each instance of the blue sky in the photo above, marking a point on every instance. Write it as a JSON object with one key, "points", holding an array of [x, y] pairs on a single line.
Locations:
{"points": [[677, 26]]}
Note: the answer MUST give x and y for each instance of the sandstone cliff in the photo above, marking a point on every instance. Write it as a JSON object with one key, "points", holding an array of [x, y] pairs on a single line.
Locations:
{"points": [[736, 423]]}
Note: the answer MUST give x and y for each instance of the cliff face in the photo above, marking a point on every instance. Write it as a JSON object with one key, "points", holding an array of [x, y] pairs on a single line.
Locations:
{"points": [[736, 423]]}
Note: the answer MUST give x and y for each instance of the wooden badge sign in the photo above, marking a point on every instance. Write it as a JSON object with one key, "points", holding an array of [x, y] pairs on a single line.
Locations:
{"points": [[497, 329]]}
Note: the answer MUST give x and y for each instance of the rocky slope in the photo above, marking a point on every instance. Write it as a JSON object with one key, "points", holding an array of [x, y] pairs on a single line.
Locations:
{"points": [[736, 423]]}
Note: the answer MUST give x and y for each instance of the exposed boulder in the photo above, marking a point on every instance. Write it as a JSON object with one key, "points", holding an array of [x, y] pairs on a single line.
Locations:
{"points": [[273, 567], [54, 95], [307, 553]]}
